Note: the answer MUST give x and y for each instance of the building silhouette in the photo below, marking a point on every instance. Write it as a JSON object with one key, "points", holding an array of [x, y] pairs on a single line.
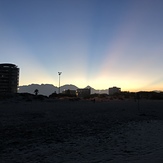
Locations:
{"points": [[114, 90], [83, 92], [69, 92], [9, 78]]}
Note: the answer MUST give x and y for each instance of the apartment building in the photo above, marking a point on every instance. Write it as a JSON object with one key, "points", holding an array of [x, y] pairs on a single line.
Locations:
{"points": [[9, 78]]}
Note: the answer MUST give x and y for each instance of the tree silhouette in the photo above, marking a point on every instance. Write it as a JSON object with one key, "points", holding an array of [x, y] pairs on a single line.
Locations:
{"points": [[36, 92]]}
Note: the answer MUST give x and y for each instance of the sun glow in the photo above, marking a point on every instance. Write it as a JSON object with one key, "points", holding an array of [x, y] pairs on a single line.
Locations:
{"points": [[100, 47]]}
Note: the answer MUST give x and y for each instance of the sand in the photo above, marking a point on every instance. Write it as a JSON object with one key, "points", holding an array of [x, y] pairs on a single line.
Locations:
{"points": [[81, 131]]}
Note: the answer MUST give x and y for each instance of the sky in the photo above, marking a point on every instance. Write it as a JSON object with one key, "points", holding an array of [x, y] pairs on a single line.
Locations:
{"points": [[101, 43]]}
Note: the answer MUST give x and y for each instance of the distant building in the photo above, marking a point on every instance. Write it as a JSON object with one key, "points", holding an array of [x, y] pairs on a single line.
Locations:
{"points": [[9, 78], [83, 92], [114, 90], [69, 92]]}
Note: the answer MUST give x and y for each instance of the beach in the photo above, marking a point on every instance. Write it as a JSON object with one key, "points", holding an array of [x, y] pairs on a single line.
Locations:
{"points": [[49, 131]]}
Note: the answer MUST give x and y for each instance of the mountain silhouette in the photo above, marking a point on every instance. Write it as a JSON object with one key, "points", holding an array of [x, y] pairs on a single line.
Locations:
{"points": [[68, 86], [44, 89], [47, 89]]}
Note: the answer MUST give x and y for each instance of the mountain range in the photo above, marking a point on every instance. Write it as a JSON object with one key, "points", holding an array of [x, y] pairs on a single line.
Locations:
{"points": [[47, 89]]}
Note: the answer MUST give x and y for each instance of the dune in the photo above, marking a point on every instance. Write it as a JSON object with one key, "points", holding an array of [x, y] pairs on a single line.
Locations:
{"points": [[81, 131]]}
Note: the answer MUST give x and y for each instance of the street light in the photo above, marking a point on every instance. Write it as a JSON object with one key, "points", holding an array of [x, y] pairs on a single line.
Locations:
{"points": [[59, 73]]}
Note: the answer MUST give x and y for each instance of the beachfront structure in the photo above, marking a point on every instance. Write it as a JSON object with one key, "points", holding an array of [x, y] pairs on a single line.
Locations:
{"points": [[114, 90], [83, 92], [9, 78]]}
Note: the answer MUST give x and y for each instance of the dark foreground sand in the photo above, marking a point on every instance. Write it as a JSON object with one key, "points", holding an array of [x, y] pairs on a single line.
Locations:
{"points": [[81, 131]]}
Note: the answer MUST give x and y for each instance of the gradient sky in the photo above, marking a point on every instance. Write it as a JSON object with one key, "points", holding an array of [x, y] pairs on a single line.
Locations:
{"points": [[101, 43]]}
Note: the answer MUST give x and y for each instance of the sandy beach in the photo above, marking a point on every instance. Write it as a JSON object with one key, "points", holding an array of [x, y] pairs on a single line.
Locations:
{"points": [[60, 131]]}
